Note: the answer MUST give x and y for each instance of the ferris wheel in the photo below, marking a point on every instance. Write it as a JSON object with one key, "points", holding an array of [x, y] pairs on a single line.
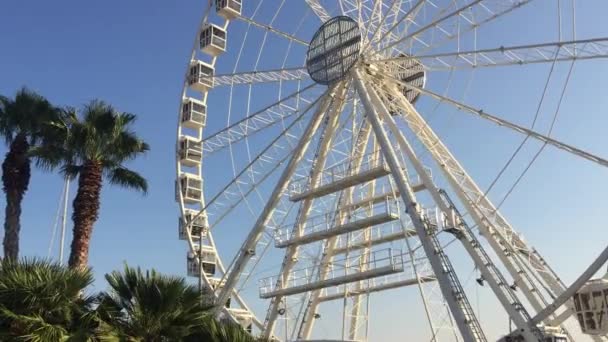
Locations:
{"points": [[317, 201]]}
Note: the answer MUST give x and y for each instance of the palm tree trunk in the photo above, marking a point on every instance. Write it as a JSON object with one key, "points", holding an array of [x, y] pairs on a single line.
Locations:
{"points": [[15, 179], [86, 212]]}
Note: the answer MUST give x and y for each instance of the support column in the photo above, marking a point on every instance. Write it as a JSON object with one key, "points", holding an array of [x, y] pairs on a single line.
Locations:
{"points": [[291, 254], [456, 299], [345, 198], [247, 250]]}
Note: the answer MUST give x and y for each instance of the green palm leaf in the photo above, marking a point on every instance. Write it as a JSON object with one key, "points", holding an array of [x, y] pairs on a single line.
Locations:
{"points": [[148, 306]]}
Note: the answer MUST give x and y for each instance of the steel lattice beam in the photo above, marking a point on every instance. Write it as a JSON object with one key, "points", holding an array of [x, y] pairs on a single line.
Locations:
{"points": [[319, 10], [264, 118], [459, 21], [247, 250], [511, 55], [450, 285], [273, 30], [502, 122], [264, 76]]}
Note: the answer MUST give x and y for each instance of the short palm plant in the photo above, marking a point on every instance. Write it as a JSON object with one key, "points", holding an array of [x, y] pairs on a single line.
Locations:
{"points": [[22, 120], [42, 301], [221, 331], [150, 307], [94, 148]]}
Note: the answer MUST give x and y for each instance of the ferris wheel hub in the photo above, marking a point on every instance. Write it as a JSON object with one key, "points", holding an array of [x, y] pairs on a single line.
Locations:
{"points": [[333, 50]]}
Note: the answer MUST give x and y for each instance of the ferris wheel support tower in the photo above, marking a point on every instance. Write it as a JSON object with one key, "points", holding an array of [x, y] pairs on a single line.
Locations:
{"points": [[347, 172]]}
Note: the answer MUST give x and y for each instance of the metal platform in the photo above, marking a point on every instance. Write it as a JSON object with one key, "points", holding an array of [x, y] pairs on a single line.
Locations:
{"points": [[389, 237], [320, 227], [381, 263], [339, 177], [376, 285]]}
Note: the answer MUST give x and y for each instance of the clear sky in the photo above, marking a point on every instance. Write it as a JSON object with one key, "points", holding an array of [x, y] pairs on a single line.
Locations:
{"points": [[133, 54]]}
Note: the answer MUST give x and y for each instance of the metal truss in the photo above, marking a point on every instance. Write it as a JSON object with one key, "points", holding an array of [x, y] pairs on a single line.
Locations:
{"points": [[504, 123], [269, 28], [458, 21], [303, 213], [263, 76], [254, 123], [319, 10], [510, 55], [330, 244], [261, 167], [450, 285], [247, 251], [408, 29], [457, 226], [506, 243]]}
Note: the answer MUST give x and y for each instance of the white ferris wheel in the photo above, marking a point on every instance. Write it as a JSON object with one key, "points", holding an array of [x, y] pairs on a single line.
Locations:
{"points": [[318, 202]]}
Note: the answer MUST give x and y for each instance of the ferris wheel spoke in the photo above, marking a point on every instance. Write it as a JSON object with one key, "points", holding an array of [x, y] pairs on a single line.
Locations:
{"points": [[303, 212], [504, 123], [389, 34], [233, 200], [247, 250], [511, 55], [449, 26], [507, 244], [271, 156], [258, 121], [319, 10], [263, 76], [269, 28]]}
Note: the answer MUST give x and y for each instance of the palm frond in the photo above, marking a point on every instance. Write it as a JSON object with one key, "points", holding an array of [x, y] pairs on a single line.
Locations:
{"points": [[6, 130], [147, 304], [43, 301], [25, 114], [128, 179], [103, 135], [34, 328], [214, 330], [127, 146]]}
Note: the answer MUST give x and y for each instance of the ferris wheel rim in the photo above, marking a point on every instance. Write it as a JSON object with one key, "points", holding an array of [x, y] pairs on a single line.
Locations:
{"points": [[380, 60]]}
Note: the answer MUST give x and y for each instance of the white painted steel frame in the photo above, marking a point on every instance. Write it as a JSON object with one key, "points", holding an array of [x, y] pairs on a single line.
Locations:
{"points": [[471, 196], [490, 273], [583, 49], [465, 318], [595, 49], [358, 152], [523, 262], [245, 252], [292, 252], [562, 51]]}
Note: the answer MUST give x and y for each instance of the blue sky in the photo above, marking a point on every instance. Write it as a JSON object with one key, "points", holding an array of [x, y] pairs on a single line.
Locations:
{"points": [[133, 54]]}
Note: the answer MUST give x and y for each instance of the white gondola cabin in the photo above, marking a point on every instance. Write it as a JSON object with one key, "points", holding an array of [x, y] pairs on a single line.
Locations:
{"points": [[228, 8], [208, 259], [190, 151], [212, 40], [591, 307], [197, 226], [194, 113], [191, 188], [201, 76]]}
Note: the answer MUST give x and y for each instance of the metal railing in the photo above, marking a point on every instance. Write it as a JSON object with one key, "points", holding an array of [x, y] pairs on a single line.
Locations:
{"points": [[338, 172], [385, 281], [337, 269], [328, 220]]}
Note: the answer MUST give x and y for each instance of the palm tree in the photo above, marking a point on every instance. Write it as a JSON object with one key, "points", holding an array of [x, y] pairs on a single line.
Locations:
{"points": [[42, 301], [21, 124], [93, 148], [150, 307]]}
